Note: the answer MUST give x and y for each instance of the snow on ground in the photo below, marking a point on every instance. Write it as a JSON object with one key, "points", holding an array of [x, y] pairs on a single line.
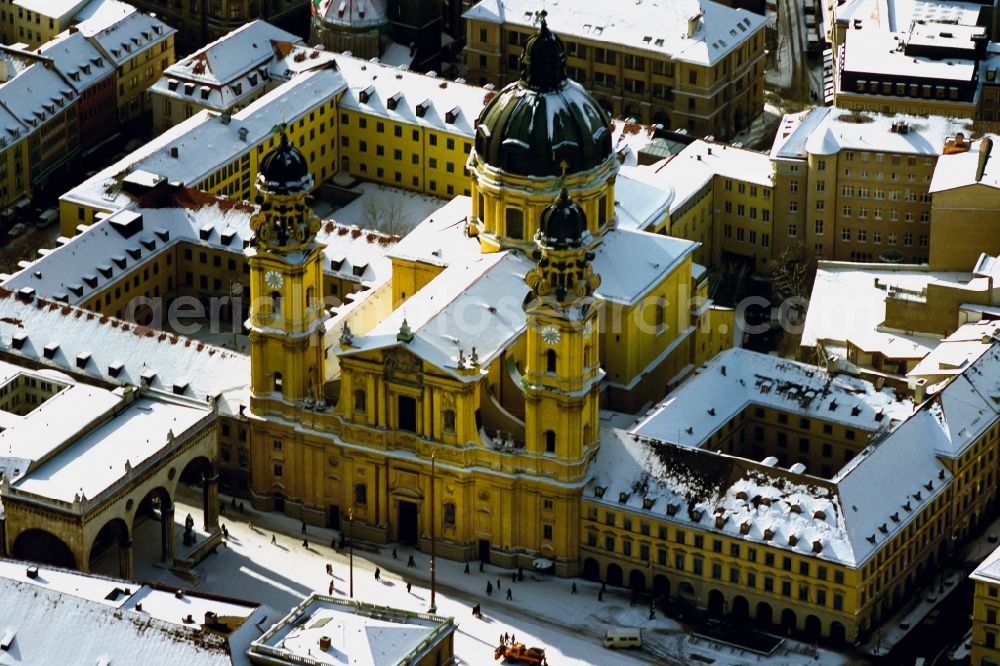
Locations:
{"points": [[543, 612], [387, 209]]}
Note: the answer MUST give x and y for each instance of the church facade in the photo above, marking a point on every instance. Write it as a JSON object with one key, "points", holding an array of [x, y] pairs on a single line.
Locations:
{"points": [[508, 333]]}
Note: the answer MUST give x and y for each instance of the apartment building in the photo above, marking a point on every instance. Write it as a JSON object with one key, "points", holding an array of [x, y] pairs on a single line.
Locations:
{"points": [[700, 70], [230, 73], [34, 22], [965, 191], [985, 609], [140, 46], [720, 196], [857, 185]]}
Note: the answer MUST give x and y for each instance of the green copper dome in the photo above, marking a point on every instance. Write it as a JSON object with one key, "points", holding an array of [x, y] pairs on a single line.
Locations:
{"points": [[544, 124], [563, 224], [284, 170]]}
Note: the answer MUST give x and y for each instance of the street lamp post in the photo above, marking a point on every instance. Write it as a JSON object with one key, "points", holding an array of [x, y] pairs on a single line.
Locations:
{"points": [[350, 544], [433, 607]]}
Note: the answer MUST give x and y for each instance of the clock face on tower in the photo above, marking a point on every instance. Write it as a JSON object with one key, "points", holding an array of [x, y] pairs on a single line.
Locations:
{"points": [[274, 279]]}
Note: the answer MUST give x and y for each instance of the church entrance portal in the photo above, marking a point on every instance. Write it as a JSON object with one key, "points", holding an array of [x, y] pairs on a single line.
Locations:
{"points": [[406, 529]]}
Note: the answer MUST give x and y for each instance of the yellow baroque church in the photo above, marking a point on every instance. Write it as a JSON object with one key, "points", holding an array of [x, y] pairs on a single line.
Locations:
{"points": [[514, 317]]}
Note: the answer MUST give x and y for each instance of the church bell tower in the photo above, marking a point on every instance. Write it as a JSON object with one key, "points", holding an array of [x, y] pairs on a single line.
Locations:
{"points": [[286, 282], [563, 370]]}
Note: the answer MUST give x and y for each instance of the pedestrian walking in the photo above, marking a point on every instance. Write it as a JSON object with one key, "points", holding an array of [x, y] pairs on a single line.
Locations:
{"points": [[225, 532], [503, 639], [499, 586], [466, 568], [305, 543], [233, 502], [652, 612], [410, 562], [393, 553], [329, 589], [512, 639], [303, 527], [510, 595], [329, 569], [333, 543], [241, 507], [604, 587], [273, 539], [520, 574], [378, 573], [408, 586], [574, 588], [250, 525], [489, 589]]}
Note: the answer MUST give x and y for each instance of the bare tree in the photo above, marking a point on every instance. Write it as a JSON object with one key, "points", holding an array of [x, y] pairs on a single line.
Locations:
{"points": [[386, 216], [792, 272]]}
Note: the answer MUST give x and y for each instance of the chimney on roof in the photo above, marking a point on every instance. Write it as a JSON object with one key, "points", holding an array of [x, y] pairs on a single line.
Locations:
{"points": [[226, 117], [692, 24], [243, 132], [174, 151]]}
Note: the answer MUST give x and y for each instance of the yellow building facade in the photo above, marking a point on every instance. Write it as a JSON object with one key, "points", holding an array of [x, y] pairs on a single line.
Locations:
{"points": [[985, 607], [504, 425]]}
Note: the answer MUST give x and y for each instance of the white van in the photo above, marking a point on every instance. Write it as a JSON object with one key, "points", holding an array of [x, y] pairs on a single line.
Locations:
{"points": [[623, 638]]}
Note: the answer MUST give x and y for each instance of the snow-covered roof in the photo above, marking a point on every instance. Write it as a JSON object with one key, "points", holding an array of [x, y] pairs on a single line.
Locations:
{"points": [[204, 143], [736, 379], [417, 99], [440, 240], [848, 305], [844, 129], [97, 458], [239, 67], [98, 256], [988, 570], [968, 405], [881, 54], [77, 60], [120, 353], [631, 263], [720, 493], [104, 12], [963, 169], [123, 37], [655, 467], [53, 8], [639, 203], [360, 634], [895, 15], [35, 94], [660, 26], [95, 620], [476, 303], [793, 132], [351, 14], [955, 353]]}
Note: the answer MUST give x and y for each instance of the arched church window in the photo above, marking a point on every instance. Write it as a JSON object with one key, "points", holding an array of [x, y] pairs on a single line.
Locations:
{"points": [[550, 360], [276, 303], [448, 420], [360, 402], [361, 494], [448, 517], [515, 223], [550, 441]]}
